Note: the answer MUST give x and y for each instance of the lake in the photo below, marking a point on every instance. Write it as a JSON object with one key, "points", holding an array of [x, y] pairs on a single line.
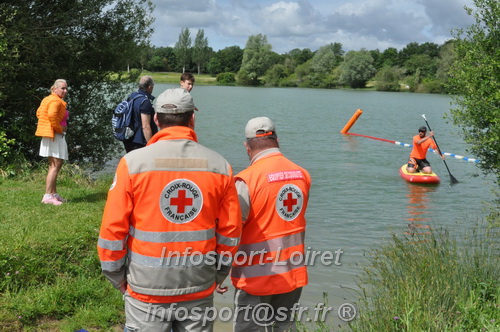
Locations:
{"points": [[357, 198]]}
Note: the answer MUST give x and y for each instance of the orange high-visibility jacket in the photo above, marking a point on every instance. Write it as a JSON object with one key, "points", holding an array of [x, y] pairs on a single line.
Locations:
{"points": [[271, 258], [419, 151], [50, 113], [172, 220]]}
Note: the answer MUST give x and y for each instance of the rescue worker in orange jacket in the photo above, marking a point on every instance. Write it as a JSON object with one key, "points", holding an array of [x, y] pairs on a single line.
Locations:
{"points": [[269, 266], [171, 224], [421, 143]]}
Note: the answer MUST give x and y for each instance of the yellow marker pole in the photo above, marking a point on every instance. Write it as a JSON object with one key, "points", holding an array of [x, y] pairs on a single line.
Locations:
{"points": [[351, 122]]}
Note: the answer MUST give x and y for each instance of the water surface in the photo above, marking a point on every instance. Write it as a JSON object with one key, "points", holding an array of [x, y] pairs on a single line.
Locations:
{"points": [[357, 199]]}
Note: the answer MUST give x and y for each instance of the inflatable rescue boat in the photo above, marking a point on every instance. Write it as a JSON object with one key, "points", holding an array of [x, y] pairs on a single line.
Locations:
{"points": [[419, 177]]}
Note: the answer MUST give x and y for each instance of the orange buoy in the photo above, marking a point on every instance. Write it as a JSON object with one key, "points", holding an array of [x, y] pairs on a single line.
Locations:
{"points": [[351, 122]]}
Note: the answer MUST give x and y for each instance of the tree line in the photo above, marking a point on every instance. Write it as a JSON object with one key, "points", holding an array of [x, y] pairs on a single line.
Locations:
{"points": [[416, 67], [92, 43]]}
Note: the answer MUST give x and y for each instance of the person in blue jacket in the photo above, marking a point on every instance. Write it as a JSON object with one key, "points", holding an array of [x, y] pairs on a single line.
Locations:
{"points": [[144, 126]]}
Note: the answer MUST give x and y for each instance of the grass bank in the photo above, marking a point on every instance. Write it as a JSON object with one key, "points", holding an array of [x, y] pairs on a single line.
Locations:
{"points": [[50, 277], [440, 282], [175, 78]]}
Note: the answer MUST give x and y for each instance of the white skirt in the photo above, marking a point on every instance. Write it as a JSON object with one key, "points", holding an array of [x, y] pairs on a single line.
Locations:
{"points": [[56, 147]]}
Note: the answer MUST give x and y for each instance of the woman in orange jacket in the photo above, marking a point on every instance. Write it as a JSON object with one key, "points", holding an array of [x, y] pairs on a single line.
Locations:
{"points": [[52, 117]]}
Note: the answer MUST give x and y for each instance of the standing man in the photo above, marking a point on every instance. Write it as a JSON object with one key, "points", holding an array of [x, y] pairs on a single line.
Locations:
{"points": [[143, 117], [170, 225], [421, 143], [273, 193], [187, 81]]}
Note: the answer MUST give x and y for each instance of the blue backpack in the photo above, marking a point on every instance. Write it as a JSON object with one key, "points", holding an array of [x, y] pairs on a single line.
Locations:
{"points": [[123, 126]]}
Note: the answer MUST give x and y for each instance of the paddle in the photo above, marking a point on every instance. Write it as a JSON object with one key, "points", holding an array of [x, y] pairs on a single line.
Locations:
{"points": [[452, 178]]}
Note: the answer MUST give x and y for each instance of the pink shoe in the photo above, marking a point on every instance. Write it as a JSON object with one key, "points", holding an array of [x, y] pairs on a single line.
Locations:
{"points": [[50, 199], [59, 198]]}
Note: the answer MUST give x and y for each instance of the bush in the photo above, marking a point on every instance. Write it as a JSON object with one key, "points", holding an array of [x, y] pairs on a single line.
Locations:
{"points": [[387, 78], [246, 78], [288, 82], [427, 86], [329, 81], [5, 148], [226, 78]]}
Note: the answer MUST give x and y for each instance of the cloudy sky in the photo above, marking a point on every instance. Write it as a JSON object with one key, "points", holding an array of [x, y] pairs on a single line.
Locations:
{"points": [[290, 24]]}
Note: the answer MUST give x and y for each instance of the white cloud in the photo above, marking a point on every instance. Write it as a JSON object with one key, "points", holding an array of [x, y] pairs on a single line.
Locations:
{"points": [[291, 19], [445, 14], [290, 24]]}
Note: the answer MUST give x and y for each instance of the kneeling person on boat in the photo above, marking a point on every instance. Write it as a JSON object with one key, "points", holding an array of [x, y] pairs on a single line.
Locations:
{"points": [[421, 143]]}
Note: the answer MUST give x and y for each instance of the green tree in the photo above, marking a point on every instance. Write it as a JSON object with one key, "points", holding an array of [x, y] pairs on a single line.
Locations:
{"points": [[388, 78], [257, 58], [6, 65], [389, 57], [225, 60], [156, 64], [447, 57], [162, 59], [300, 56], [83, 42], [201, 51], [303, 74], [214, 65], [407, 51], [226, 78], [356, 69], [377, 59], [475, 79], [324, 60], [183, 48], [422, 63], [275, 74], [322, 65], [430, 49], [327, 57], [338, 52]]}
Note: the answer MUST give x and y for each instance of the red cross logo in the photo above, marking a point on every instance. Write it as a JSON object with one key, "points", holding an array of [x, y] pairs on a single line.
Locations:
{"points": [[289, 202], [181, 201]]}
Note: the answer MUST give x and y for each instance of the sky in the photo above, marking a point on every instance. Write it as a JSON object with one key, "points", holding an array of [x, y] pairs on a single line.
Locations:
{"points": [[290, 24]]}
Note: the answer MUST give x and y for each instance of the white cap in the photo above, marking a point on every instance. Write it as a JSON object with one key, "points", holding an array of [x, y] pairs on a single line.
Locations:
{"points": [[259, 127], [174, 101]]}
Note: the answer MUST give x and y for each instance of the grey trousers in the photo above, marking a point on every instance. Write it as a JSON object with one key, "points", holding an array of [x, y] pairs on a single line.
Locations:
{"points": [[167, 317], [265, 313]]}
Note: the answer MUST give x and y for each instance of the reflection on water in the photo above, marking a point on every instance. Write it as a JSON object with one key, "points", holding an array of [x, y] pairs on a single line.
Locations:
{"points": [[418, 209]]}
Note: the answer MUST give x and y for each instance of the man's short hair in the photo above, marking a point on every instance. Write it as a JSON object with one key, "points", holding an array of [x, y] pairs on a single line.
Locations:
{"points": [[145, 82], [170, 120], [187, 76], [422, 129], [261, 143]]}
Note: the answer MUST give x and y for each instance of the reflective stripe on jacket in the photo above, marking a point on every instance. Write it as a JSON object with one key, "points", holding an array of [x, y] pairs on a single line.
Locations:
{"points": [[268, 261], [50, 113], [172, 220]]}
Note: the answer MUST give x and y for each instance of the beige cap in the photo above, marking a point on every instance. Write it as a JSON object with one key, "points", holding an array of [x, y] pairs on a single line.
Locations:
{"points": [[178, 101], [259, 127]]}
